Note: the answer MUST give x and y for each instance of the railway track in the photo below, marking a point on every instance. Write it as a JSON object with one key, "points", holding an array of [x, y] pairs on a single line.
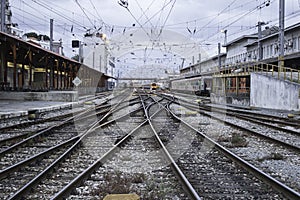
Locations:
{"points": [[250, 122], [141, 145], [39, 150], [141, 148], [261, 146]]}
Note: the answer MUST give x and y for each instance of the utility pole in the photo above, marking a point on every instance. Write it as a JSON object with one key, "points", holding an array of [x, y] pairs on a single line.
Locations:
{"points": [[281, 34], [51, 77], [51, 34], [219, 55], [3, 25], [200, 63], [225, 37], [260, 53]]}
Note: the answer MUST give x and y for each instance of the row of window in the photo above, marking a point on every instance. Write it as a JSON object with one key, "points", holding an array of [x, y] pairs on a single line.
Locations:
{"points": [[268, 51]]}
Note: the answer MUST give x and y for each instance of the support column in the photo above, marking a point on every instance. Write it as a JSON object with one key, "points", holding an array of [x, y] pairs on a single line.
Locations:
{"points": [[3, 60], [65, 75], [60, 74], [14, 50], [52, 67], [69, 77], [5, 68], [219, 55], [30, 69], [260, 52], [281, 34], [3, 25], [237, 85], [46, 72], [57, 75], [23, 75]]}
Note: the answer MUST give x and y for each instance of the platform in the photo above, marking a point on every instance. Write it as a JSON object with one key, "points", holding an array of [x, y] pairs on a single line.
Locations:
{"points": [[59, 96], [14, 108]]}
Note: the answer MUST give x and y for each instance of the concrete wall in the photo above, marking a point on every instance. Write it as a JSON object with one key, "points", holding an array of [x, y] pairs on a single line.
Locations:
{"points": [[63, 96], [269, 92], [219, 96], [238, 101]]}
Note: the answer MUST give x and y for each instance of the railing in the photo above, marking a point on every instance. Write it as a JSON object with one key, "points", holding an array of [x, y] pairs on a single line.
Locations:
{"points": [[284, 73]]}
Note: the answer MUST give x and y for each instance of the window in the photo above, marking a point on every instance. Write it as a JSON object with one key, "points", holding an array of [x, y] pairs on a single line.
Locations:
{"points": [[268, 52], [271, 50], [295, 43]]}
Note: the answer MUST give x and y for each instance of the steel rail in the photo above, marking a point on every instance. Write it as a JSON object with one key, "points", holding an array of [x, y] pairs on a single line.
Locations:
{"points": [[80, 116], [186, 184], [287, 145], [25, 189], [253, 119], [282, 120], [5, 172], [196, 108], [86, 173], [287, 191]]}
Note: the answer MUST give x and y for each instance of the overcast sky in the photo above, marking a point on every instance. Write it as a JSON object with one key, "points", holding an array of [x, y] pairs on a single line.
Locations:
{"points": [[200, 21]]}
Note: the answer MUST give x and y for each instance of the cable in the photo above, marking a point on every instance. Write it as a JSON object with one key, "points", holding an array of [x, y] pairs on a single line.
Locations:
{"points": [[217, 16], [143, 13], [166, 19], [85, 13], [96, 11]]}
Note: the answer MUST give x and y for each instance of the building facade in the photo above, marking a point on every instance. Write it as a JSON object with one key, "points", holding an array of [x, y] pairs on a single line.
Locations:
{"points": [[245, 50]]}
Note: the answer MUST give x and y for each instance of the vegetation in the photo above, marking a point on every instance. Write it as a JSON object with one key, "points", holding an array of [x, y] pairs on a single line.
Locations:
{"points": [[36, 36], [238, 140]]}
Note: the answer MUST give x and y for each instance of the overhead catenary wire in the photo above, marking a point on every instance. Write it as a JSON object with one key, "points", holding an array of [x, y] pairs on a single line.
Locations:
{"points": [[162, 27], [85, 14], [175, 26]]}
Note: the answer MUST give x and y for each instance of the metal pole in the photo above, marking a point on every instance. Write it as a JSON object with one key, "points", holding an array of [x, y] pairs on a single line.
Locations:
{"points": [[260, 53], [80, 52], [3, 28], [51, 34], [199, 63], [281, 35], [225, 39], [219, 55]]}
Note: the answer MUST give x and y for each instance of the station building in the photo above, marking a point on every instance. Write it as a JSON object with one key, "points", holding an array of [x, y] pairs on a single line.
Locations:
{"points": [[246, 78], [29, 71]]}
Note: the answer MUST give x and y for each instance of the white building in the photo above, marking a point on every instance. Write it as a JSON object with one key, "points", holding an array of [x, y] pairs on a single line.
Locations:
{"points": [[237, 51], [95, 53]]}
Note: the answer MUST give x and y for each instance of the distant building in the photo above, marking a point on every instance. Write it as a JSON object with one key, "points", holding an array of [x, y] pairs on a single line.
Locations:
{"points": [[95, 53], [270, 46], [57, 45], [206, 66], [244, 50], [237, 51]]}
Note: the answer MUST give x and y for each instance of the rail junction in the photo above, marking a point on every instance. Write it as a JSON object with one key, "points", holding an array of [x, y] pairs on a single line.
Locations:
{"points": [[147, 110], [158, 145]]}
